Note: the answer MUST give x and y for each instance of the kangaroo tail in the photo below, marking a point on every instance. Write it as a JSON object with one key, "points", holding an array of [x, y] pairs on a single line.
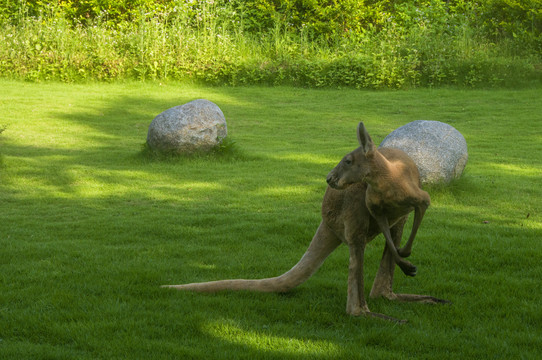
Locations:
{"points": [[323, 243]]}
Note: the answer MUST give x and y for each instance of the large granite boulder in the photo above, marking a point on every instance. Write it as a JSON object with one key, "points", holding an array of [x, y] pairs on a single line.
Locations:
{"points": [[197, 126], [438, 149]]}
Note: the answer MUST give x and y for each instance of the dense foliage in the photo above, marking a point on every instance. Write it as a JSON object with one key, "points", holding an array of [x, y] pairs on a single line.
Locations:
{"points": [[324, 18], [301, 42]]}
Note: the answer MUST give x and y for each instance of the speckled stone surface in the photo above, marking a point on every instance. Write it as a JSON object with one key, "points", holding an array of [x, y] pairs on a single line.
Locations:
{"points": [[198, 125], [438, 149]]}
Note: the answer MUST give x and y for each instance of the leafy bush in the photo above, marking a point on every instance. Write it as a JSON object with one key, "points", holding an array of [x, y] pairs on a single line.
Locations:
{"points": [[371, 44], [514, 19], [327, 19]]}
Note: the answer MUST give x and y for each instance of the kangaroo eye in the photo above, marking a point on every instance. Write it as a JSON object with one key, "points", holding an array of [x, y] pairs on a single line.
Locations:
{"points": [[348, 161]]}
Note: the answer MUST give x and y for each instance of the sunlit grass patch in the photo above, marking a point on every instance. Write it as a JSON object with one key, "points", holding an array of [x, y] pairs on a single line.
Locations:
{"points": [[264, 342]]}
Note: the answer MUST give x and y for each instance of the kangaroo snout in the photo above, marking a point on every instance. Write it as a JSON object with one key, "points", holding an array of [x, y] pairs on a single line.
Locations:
{"points": [[332, 180], [329, 179]]}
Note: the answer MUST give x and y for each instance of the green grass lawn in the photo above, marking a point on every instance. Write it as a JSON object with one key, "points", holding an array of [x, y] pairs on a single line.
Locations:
{"points": [[90, 227]]}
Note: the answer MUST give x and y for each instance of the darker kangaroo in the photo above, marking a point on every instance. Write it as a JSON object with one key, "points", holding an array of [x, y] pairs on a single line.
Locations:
{"points": [[371, 191]]}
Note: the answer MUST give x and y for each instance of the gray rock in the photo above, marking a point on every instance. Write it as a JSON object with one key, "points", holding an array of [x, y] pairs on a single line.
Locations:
{"points": [[438, 149], [195, 126]]}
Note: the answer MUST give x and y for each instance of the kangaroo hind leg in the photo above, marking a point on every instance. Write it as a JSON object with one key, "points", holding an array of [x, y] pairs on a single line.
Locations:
{"points": [[383, 283], [356, 304]]}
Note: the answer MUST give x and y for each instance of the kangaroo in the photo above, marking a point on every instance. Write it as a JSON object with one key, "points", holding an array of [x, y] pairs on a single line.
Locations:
{"points": [[371, 191]]}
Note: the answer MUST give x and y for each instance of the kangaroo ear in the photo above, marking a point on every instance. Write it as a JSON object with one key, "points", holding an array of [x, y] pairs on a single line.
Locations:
{"points": [[364, 139]]}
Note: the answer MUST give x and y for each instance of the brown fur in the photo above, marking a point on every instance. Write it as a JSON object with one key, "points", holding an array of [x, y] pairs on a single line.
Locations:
{"points": [[370, 192]]}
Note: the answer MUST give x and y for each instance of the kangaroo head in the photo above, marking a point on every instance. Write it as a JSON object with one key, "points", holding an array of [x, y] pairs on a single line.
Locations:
{"points": [[355, 166]]}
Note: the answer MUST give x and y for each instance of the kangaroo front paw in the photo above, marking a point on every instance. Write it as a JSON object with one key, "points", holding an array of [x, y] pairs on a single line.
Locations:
{"points": [[408, 268], [404, 253]]}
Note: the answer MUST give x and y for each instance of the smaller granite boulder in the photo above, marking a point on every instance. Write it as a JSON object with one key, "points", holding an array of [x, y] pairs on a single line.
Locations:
{"points": [[193, 127], [438, 149]]}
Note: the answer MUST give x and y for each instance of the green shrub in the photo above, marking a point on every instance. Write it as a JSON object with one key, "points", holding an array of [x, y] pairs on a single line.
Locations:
{"points": [[516, 19], [372, 44]]}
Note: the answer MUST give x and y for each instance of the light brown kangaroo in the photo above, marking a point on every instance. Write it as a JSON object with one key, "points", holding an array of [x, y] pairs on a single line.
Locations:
{"points": [[370, 191]]}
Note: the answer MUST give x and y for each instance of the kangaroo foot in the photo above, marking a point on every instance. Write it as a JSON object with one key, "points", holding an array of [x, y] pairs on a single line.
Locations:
{"points": [[365, 312], [408, 268], [386, 317], [424, 299]]}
